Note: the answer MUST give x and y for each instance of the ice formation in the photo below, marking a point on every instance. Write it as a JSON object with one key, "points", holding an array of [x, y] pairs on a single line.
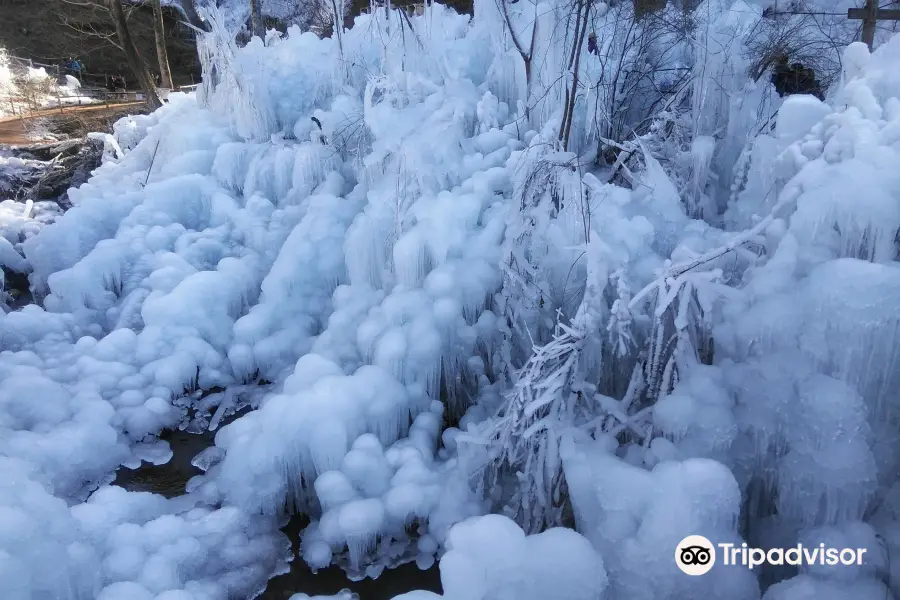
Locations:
{"points": [[634, 529], [374, 231], [377, 496], [491, 557]]}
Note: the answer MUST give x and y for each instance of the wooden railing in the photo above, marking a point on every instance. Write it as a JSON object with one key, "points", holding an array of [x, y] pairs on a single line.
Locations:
{"points": [[93, 85], [417, 9]]}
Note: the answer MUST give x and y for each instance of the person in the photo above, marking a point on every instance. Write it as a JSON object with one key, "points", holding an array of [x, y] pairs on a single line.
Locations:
{"points": [[115, 84], [592, 44]]}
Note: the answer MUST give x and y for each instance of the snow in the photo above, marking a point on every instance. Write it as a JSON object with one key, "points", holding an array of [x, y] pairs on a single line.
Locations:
{"points": [[149, 546], [432, 310], [10, 258], [380, 493], [859, 581], [490, 557], [797, 116], [635, 517]]}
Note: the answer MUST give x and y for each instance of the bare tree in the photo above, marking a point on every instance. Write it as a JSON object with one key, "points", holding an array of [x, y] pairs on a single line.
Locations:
{"points": [[101, 29], [137, 64], [118, 35], [159, 32], [256, 21], [813, 39], [582, 9], [527, 54]]}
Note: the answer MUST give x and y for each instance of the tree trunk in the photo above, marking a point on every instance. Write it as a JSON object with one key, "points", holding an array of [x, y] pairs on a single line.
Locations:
{"points": [[869, 23], [132, 55], [527, 57], [337, 24], [256, 22], [159, 31], [581, 23]]}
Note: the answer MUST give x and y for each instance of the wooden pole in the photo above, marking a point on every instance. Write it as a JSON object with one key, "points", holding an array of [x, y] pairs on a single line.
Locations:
{"points": [[868, 28], [870, 15]]}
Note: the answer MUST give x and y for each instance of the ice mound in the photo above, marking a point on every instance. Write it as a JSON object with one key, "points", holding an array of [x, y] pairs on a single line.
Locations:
{"points": [[490, 557], [378, 497], [385, 307], [151, 547], [636, 517]]}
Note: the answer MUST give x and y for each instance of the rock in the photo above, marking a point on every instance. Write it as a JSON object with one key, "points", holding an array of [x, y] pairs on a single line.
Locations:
{"points": [[42, 175], [53, 168], [16, 289]]}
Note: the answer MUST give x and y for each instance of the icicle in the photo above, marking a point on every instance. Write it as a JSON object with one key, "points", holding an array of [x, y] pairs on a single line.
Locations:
{"points": [[411, 259], [328, 445], [391, 352], [361, 521]]}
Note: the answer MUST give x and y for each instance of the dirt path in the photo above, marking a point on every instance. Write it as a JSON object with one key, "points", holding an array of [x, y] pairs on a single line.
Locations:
{"points": [[14, 130], [14, 134]]}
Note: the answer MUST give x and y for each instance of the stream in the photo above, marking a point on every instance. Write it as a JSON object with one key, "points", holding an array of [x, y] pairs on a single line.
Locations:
{"points": [[170, 479]]}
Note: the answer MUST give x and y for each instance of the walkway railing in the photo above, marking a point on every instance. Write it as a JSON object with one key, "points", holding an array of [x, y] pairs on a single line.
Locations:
{"points": [[93, 85], [417, 9]]}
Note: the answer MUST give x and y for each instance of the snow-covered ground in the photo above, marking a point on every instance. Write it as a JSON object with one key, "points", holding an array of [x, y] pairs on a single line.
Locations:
{"points": [[460, 315]]}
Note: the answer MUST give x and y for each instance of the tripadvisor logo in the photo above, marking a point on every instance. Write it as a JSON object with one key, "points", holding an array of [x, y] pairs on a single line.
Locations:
{"points": [[696, 555]]}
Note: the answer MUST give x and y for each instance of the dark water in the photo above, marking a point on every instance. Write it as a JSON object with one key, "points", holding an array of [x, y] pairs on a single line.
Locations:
{"points": [[327, 582], [170, 480]]}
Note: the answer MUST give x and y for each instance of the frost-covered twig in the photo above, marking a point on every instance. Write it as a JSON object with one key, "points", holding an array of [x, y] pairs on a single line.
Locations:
{"points": [[246, 104], [524, 434], [673, 272]]}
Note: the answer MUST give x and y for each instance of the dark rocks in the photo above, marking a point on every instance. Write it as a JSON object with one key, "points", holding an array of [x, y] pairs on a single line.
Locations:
{"points": [[53, 168], [34, 189], [16, 289], [795, 79]]}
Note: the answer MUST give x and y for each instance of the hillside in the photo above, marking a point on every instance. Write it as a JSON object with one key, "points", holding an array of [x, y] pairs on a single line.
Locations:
{"points": [[49, 31]]}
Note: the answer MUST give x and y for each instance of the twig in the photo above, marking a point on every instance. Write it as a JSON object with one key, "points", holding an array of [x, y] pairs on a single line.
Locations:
{"points": [[744, 237], [152, 160], [44, 175]]}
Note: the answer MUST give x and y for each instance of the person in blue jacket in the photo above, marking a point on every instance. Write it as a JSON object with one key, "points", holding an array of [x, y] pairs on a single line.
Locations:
{"points": [[77, 67]]}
